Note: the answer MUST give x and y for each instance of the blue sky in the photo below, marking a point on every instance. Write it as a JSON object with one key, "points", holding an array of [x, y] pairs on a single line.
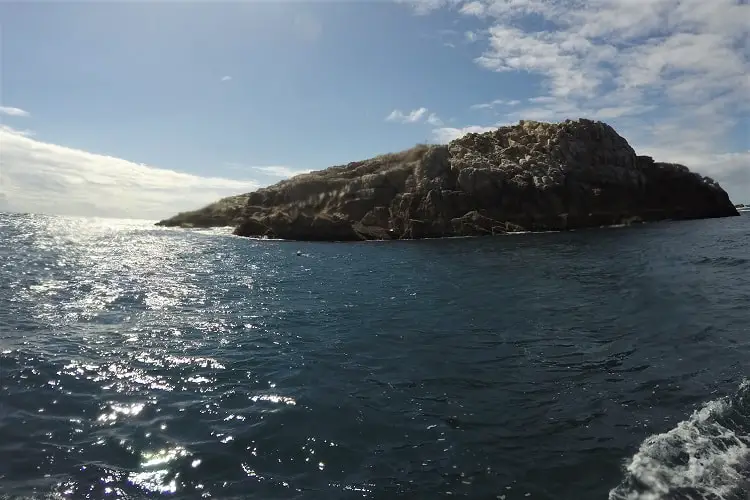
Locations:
{"points": [[137, 109]]}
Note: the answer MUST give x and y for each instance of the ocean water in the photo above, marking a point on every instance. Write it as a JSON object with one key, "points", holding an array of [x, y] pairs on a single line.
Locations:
{"points": [[142, 362]]}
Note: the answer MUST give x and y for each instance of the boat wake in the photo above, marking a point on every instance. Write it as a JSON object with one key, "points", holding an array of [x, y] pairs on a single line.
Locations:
{"points": [[705, 457]]}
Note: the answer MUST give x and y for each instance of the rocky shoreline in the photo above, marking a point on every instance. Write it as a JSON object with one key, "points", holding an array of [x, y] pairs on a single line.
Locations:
{"points": [[533, 176]]}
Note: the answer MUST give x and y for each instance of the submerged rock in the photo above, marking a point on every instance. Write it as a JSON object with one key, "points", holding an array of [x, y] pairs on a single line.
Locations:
{"points": [[533, 176]]}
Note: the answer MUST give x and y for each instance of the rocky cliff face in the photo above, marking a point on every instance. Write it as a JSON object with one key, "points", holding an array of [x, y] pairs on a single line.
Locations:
{"points": [[529, 177]]}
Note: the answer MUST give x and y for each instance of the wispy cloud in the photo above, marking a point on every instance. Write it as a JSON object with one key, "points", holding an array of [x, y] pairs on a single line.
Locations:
{"points": [[434, 120], [670, 75], [226, 78], [496, 103], [569, 62], [419, 115], [473, 9], [680, 55], [36, 176], [11, 111], [406, 117]]}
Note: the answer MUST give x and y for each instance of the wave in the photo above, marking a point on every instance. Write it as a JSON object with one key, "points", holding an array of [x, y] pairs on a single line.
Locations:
{"points": [[705, 457]]}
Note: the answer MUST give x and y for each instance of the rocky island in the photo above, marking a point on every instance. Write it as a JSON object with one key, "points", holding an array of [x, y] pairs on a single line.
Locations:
{"points": [[532, 176]]}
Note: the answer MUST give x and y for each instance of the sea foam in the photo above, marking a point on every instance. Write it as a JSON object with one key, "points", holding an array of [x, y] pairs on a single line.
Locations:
{"points": [[703, 457]]}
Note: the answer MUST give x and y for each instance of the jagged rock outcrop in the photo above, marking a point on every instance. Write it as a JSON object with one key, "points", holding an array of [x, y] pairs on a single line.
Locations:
{"points": [[533, 176]]}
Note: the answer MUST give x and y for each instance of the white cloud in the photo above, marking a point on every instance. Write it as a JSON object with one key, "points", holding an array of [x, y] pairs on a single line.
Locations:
{"points": [[418, 115], [46, 178], [676, 51], [11, 130], [473, 9], [226, 78], [551, 109], [413, 116], [610, 112], [434, 120], [570, 63], [10, 111], [670, 75], [495, 103]]}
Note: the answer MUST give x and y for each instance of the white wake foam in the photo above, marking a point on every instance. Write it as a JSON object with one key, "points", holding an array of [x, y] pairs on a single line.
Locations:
{"points": [[704, 457]]}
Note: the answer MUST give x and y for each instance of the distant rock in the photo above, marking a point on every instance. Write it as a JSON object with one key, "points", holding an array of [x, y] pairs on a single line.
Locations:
{"points": [[533, 176], [225, 212]]}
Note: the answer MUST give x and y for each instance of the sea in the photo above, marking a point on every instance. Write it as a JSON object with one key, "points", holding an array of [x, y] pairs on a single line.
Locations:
{"points": [[145, 362]]}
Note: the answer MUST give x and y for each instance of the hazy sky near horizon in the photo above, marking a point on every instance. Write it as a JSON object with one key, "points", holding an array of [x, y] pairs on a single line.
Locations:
{"points": [[135, 109]]}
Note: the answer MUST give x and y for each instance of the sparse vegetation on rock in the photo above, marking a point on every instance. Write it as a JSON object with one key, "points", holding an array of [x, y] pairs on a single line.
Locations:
{"points": [[533, 176]]}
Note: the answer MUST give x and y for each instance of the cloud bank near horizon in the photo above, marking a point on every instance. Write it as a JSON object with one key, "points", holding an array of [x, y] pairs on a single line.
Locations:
{"points": [[39, 177]]}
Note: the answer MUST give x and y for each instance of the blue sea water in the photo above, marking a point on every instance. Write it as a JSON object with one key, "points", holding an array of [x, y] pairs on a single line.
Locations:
{"points": [[144, 362]]}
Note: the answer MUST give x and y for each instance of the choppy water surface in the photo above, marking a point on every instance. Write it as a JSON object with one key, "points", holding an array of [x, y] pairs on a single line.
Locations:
{"points": [[143, 362]]}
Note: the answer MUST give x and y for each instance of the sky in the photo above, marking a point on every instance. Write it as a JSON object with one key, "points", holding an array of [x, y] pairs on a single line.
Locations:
{"points": [[143, 109]]}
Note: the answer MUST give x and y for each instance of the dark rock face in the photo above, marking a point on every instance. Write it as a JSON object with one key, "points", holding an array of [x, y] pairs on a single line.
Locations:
{"points": [[529, 177]]}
